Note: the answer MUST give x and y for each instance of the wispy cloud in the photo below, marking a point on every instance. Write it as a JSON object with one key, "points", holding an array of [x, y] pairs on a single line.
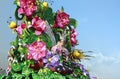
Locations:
{"points": [[104, 67]]}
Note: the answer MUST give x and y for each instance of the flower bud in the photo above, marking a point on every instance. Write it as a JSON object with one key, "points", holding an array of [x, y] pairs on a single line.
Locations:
{"points": [[45, 4]]}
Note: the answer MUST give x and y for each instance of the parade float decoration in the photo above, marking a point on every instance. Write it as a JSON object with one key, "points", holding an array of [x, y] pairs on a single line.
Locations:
{"points": [[44, 47]]}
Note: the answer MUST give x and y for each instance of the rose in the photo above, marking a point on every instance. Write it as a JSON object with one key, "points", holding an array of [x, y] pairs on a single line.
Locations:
{"points": [[39, 25], [62, 19], [27, 7]]}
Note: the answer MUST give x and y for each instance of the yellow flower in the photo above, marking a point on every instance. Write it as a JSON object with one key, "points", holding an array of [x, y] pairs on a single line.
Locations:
{"points": [[78, 54], [45, 4], [12, 25]]}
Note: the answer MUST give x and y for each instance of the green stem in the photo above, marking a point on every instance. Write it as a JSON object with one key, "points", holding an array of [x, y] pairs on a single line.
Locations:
{"points": [[27, 32]]}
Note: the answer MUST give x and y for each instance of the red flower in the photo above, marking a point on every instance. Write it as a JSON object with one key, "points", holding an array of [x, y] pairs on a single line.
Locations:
{"points": [[35, 66], [39, 25], [62, 19], [27, 7], [20, 28], [73, 37]]}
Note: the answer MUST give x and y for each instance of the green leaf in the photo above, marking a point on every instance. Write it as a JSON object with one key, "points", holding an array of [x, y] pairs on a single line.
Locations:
{"points": [[49, 16], [22, 49], [68, 43], [73, 22], [15, 43], [45, 38], [26, 71], [17, 76], [2, 76], [48, 11], [16, 2], [16, 67], [62, 9], [35, 76]]}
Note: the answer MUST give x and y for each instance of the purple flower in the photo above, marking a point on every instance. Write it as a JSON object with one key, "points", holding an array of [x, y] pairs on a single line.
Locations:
{"points": [[85, 72], [93, 78], [51, 60]]}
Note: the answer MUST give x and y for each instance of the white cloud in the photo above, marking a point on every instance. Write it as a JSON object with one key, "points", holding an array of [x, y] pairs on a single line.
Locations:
{"points": [[104, 67]]}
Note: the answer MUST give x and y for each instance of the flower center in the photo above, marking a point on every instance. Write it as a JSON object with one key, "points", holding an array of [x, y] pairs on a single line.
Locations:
{"points": [[49, 59]]}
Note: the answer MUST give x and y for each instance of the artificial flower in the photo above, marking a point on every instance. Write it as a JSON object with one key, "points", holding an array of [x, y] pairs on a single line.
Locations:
{"points": [[58, 48], [27, 7], [51, 60], [12, 25], [73, 37], [39, 25], [62, 19], [20, 28], [36, 50]]}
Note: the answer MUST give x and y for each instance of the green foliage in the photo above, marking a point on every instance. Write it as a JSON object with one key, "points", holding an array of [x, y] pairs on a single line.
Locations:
{"points": [[68, 43], [16, 67], [62, 9], [73, 22], [48, 15], [16, 2], [2, 76], [35, 76], [28, 37], [44, 37], [21, 67]]}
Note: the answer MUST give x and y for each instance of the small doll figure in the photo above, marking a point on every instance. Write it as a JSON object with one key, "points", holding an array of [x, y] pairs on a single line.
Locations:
{"points": [[59, 47]]}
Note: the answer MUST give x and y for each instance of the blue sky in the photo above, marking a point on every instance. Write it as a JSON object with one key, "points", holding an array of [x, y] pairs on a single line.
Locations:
{"points": [[98, 28]]}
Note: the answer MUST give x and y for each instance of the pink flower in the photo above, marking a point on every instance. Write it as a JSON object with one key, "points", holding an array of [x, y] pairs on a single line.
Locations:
{"points": [[39, 25], [27, 7], [62, 19], [20, 28], [36, 50], [73, 37]]}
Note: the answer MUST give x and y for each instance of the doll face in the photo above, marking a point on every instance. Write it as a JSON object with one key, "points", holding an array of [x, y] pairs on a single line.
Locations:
{"points": [[61, 43]]}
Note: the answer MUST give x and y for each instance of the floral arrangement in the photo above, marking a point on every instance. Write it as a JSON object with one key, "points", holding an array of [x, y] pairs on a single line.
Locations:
{"points": [[44, 45]]}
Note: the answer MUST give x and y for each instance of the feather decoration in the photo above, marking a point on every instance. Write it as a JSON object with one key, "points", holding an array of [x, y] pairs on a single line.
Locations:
{"points": [[50, 33]]}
